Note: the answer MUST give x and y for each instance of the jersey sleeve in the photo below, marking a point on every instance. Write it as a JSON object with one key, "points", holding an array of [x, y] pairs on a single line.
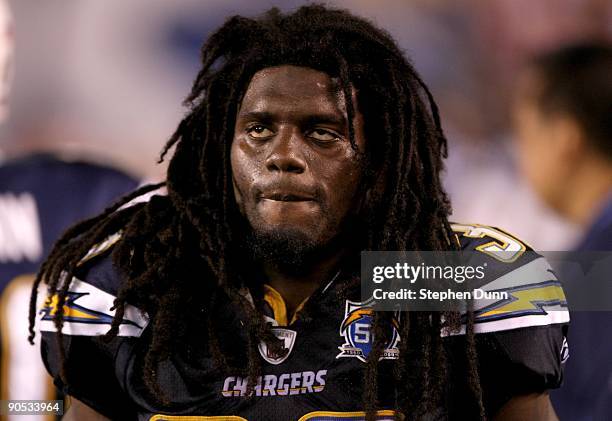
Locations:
{"points": [[520, 362], [91, 373], [521, 338]]}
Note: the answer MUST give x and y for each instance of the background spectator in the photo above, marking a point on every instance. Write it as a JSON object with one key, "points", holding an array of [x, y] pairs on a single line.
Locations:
{"points": [[563, 113]]}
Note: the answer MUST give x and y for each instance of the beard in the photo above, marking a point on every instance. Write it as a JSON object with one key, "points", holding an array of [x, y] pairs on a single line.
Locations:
{"points": [[290, 251]]}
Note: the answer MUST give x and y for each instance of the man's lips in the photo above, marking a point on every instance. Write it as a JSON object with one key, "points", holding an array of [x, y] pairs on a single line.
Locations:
{"points": [[286, 196]]}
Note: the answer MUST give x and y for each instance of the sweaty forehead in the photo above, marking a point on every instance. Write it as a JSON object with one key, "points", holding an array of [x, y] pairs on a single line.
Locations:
{"points": [[292, 86]]}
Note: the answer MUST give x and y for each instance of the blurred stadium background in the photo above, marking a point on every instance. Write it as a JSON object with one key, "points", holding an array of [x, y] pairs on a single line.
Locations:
{"points": [[105, 80]]}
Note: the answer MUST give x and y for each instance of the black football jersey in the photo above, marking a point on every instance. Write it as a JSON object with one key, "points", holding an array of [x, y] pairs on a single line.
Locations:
{"points": [[318, 374]]}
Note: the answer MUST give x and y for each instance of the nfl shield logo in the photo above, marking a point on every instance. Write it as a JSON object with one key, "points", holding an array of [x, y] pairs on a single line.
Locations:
{"points": [[278, 356], [564, 351]]}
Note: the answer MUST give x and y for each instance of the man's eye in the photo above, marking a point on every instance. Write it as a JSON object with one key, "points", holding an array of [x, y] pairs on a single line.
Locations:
{"points": [[321, 135], [258, 131]]}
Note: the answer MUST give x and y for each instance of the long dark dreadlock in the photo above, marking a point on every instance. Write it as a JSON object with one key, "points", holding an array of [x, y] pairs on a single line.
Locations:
{"points": [[195, 227]]}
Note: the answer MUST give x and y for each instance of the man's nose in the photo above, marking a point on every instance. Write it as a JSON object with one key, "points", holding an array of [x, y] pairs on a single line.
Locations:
{"points": [[286, 152]]}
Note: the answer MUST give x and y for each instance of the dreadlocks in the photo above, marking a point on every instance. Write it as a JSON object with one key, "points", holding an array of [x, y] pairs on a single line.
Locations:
{"points": [[195, 227]]}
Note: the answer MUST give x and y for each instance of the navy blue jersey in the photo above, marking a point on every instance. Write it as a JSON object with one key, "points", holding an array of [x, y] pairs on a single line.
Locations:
{"points": [[587, 391], [318, 374], [41, 196]]}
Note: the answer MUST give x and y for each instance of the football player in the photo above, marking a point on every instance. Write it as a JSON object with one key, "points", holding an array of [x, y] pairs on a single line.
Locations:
{"points": [[236, 296], [40, 196]]}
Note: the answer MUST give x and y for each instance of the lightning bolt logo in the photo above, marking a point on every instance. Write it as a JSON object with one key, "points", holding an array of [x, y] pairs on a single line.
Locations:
{"points": [[525, 300], [74, 312], [354, 316], [359, 314]]}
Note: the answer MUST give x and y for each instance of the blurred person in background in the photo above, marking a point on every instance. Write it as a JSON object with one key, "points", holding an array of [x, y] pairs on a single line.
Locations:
{"points": [[563, 113], [41, 194]]}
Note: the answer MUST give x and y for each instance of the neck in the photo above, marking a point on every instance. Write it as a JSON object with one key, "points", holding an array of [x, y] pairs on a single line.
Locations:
{"points": [[587, 192], [296, 286]]}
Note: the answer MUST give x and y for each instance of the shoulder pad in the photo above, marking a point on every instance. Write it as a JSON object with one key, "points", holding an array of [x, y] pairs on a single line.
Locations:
{"points": [[88, 309], [88, 312], [102, 247], [492, 241], [533, 296]]}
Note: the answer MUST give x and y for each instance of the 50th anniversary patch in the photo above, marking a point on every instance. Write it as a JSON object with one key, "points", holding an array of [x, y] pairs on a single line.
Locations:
{"points": [[356, 331]]}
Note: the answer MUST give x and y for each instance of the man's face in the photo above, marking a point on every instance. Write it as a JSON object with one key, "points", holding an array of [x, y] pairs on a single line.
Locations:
{"points": [[542, 155], [295, 173]]}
